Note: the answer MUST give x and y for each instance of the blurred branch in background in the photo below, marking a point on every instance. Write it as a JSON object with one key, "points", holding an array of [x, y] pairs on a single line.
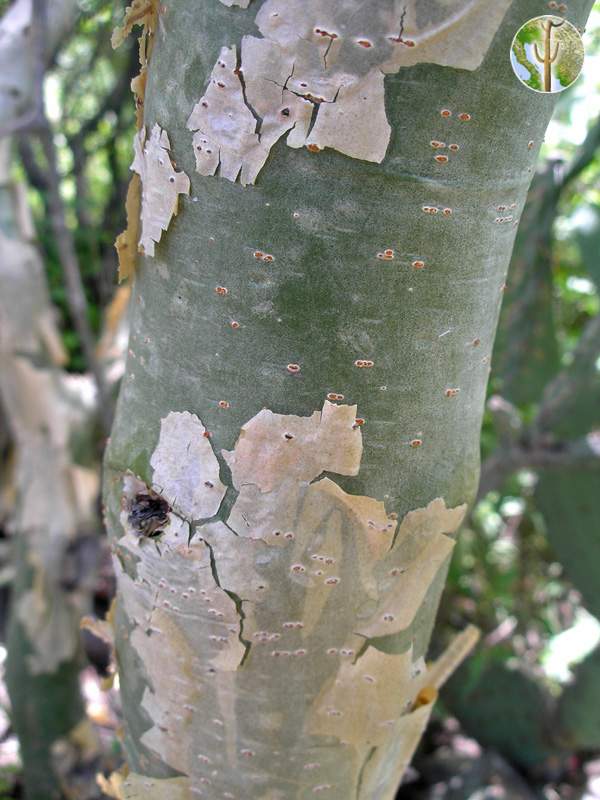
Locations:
{"points": [[53, 498], [75, 291]]}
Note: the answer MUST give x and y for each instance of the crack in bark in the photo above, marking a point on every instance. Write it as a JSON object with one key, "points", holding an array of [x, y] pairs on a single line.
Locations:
{"points": [[237, 601], [402, 15], [240, 74], [369, 756]]}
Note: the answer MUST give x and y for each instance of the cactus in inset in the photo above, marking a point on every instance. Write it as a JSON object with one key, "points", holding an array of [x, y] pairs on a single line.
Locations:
{"points": [[547, 60]]}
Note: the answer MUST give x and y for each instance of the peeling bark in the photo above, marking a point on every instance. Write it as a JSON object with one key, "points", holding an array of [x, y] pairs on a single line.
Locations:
{"points": [[297, 436], [298, 601], [327, 57], [161, 185]]}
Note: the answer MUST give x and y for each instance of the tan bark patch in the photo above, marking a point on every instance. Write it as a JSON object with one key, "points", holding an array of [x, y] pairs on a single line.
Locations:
{"points": [[273, 448], [145, 14], [384, 771], [383, 701], [364, 699], [126, 243]]}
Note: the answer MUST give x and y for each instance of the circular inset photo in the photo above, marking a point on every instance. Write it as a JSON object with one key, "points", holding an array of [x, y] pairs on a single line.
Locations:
{"points": [[547, 54]]}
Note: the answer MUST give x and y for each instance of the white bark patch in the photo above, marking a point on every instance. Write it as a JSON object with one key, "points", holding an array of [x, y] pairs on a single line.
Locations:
{"points": [[331, 55], [225, 127], [161, 185], [186, 471], [356, 124], [239, 119], [278, 109], [240, 3]]}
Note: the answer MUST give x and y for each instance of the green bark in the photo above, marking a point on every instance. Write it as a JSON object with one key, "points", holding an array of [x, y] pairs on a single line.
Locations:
{"points": [[324, 302]]}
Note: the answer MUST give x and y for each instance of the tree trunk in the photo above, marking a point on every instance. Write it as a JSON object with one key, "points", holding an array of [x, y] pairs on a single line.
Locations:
{"points": [[297, 435], [54, 509]]}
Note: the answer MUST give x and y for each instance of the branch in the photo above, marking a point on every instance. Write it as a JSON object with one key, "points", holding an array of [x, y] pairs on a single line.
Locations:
{"points": [[580, 453], [36, 175], [75, 291]]}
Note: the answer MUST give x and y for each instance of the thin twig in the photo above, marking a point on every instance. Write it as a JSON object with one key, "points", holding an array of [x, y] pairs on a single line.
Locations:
{"points": [[36, 176]]}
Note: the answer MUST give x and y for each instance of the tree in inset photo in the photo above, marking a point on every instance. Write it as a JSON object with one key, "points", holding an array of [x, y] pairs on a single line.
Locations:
{"points": [[547, 54]]}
